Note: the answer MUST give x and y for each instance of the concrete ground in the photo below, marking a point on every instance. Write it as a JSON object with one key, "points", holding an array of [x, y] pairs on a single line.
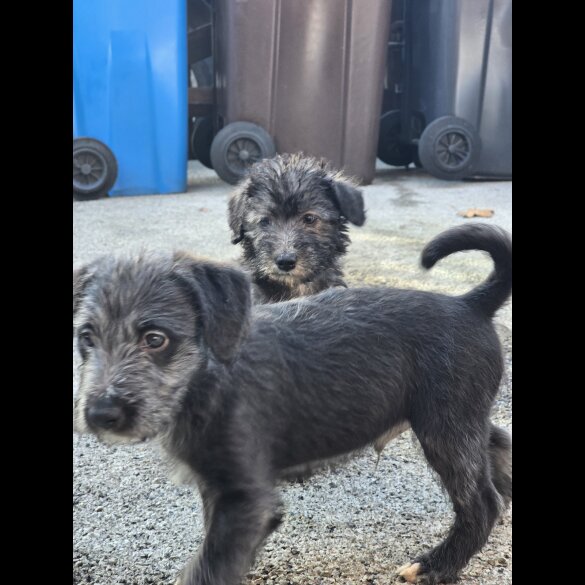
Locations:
{"points": [[352, 525]]}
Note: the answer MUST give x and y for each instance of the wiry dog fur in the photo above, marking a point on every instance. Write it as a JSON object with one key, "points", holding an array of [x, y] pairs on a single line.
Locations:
{"points": [[237, 395], [290, 215]]}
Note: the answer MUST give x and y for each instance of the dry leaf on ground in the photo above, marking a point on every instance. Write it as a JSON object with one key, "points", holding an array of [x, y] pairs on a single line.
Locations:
{"points": [[476, 213]]}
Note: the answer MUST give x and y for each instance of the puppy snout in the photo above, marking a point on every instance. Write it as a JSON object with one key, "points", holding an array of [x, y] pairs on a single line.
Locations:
{"points": [[105, 414], [286, 261]]}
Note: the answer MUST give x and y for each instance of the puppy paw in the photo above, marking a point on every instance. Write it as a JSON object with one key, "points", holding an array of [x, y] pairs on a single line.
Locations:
{"points": [[179, 581], [409, 572]]}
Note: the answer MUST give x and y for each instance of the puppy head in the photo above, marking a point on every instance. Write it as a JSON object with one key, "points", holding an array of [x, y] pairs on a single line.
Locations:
{"points": [[144, 328], [291, 215]]}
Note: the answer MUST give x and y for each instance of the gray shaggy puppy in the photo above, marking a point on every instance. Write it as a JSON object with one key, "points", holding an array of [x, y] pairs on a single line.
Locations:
{"points": [[290, 215], [237, 395]]}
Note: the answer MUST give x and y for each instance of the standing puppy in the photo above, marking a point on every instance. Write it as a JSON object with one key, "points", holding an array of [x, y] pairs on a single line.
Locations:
{"points": [[171, 349], [290, 215]]}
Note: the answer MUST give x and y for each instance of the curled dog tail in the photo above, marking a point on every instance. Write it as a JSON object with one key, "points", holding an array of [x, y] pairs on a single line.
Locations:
{"points": [[489, 296]]}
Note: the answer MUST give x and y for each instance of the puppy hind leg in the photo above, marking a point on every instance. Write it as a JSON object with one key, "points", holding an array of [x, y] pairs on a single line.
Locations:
{"points": [[461, 459], [500, 450]]}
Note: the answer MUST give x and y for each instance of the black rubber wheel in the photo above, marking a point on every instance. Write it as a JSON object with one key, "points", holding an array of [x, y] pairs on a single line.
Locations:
{"points": [[200, 141], [449, 147], [237, 147], [203, 71], [390, 149], [94, 168]]}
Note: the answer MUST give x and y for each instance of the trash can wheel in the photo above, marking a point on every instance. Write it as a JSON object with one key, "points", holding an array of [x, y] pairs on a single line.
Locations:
{"points": [[238, 146], [94, 168], [449, 147], [390, 149], [200, 141]]}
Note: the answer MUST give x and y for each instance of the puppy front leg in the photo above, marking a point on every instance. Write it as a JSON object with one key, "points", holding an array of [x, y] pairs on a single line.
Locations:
{"points": [[238, 523]]}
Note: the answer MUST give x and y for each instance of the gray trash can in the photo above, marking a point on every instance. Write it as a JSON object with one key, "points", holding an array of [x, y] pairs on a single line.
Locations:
{"points": [[455, 112], [299, 75]]}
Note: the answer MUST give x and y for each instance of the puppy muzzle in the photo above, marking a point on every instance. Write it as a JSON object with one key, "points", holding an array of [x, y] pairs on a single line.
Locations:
{"points": [[106, 414]]}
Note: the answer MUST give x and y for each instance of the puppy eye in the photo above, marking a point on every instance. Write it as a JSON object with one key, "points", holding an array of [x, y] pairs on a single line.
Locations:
{"points": [[155, 341], [309, 219], [264, 222], [86, 338]]}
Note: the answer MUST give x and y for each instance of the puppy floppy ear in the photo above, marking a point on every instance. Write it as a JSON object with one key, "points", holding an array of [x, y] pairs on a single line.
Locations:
{"points": [[236, 209], [350, 201], [222, 298], [81, 278]]}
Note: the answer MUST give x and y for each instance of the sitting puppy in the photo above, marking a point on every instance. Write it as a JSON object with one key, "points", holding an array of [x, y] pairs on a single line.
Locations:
{"points": [[290, 215], [172, 349]]}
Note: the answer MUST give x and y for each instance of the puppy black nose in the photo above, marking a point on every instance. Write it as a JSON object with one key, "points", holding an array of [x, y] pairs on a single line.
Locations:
{"points": [[105, 414], [286, 262]]}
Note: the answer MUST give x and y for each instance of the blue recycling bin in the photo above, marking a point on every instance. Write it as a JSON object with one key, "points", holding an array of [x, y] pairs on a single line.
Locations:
{"points": [[130, 96]]}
